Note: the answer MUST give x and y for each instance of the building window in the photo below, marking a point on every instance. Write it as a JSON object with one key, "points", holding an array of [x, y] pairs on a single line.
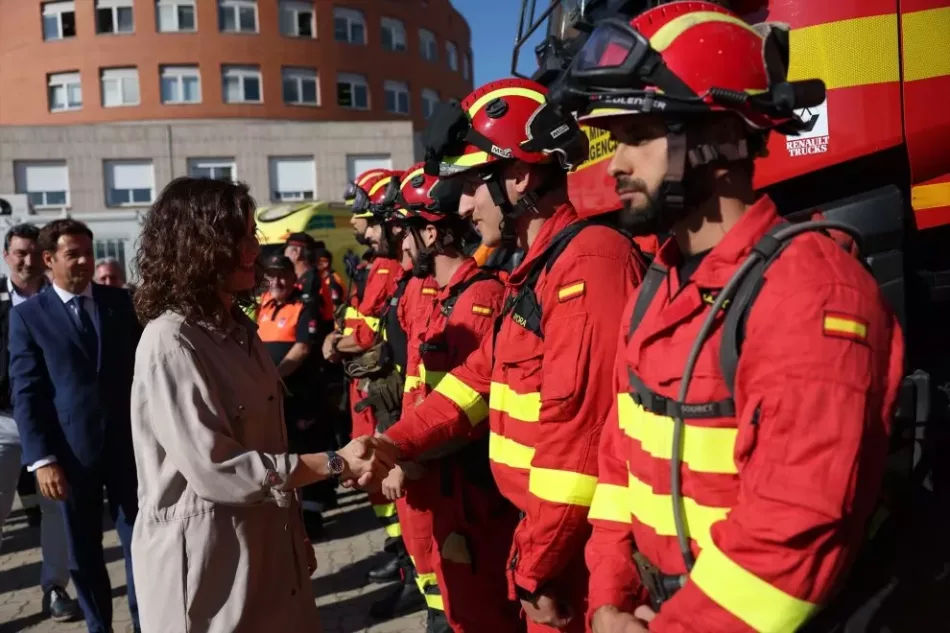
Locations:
{"points": [[120, 87], [242, 84], [467, 65], [430, 98], [45, 182], [114, 16], [297, 19], [181, 84], [428, 46], [176, 16], [349, 26], [452, 52], [292, 178], [357, 164], [301, 86], [59, 20], [394, 35], [352, 91], [113, 247], [397, 97], [237, 16], [129, 183], [214, 168], [65, 92]]}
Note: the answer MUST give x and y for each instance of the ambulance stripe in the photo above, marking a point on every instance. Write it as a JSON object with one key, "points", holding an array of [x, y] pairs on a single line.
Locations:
{"points": [[836, 324], [847, 53], [926, 42]]}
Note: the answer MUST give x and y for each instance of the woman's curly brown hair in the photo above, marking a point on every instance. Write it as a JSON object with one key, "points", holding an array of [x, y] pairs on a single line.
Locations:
{"points": [[190, 245]]}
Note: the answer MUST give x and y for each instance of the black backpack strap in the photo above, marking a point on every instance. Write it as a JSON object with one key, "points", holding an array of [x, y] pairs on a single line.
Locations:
{"points": [[655, 276], [737, 312]]}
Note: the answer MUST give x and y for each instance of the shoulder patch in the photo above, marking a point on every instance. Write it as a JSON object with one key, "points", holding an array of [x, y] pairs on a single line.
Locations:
{"points": [[571, 290], [481, 310], [430, 291], [843, 325]]}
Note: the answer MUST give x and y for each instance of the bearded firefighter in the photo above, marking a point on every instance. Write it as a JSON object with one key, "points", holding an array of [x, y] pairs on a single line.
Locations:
{"points": [[758, 367], [541, 381], [452, 491]]}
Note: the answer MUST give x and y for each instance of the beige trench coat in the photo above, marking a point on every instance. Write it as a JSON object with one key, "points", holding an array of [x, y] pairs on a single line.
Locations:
{"points": [[218, 546]]}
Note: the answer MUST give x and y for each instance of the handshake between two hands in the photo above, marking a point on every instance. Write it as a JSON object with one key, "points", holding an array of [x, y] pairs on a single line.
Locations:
{"points": [[368, 461]]}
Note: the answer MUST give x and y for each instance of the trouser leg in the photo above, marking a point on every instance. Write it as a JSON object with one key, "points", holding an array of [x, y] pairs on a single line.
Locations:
{"points": [[54, 545]]}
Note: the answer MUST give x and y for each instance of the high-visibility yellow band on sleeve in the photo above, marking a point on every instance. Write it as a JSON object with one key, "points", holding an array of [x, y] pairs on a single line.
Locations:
{"points": [[411, 383], [562, 486], [467, 399], [610, 503], [762, 606], [372, 322], [525, 407], [503, 450]]}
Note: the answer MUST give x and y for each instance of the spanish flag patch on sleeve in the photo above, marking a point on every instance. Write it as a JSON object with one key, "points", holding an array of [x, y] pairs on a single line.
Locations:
{"points": [[571, 291], [382, 271], [429, 291], [843, 325], [481, 310]]}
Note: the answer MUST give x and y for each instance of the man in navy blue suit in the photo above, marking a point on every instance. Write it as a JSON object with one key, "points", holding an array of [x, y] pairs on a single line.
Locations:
{"points": [[72, 353]]}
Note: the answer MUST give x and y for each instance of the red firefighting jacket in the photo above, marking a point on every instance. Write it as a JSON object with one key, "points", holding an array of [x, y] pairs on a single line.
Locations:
{"points": [[413, 311], [775, 497], [363, 321], [449, 340], [545, 418]]}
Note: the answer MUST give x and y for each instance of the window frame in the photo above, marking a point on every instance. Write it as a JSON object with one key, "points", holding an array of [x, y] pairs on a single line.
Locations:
{"points": [[425, 93], [295, 8], [57, 8], [299, 195], [121, 75], [176, 5], [467, 65], [51, 82], [179, 73], [361, 81], [452, 55], [20, 167], [108, 164], [386, 24], [299, 74], [425, 48], [350, 15], [242, 72], [235, 6], [399, 89], [114, 6], [212, 163]]}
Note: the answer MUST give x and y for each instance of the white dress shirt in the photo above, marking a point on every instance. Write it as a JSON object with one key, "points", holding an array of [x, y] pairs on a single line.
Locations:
{"points": [[90, 307]]}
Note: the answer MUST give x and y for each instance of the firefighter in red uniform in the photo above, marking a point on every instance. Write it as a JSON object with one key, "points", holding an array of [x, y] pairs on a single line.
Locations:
{"points": [[453, 494], [543, 383], [370, 209], [746, 481]]}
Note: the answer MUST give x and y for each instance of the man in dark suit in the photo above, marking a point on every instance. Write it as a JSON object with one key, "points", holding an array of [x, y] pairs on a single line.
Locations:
{"points": [[72, 352]]}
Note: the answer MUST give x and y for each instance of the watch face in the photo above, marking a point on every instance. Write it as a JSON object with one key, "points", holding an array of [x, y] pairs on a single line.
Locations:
{"points": [[337, 464]]}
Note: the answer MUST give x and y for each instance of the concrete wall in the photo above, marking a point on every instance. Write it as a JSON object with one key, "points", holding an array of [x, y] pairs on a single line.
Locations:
{"points": [[170, 145]]}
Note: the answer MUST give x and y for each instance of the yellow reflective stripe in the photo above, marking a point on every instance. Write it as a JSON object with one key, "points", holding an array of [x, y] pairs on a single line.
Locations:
{"points": [[411, 383], [385, 510], [762, 606], [347, 331], [930, 196], [379, 185], [502, 450], [562, 486], [408, 178], [467, 399], [429, 377], [487, 98], [610, 504], [705, 449], [656, 511], [435, 602], [925, 42], [394, 530], [467, 160], [364, 214], [668, 33], [525, 407], [846, 53], [372, 322]]}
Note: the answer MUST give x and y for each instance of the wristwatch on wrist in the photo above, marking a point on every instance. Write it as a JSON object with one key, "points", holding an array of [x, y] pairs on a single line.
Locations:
{"points": [[335, 463]]}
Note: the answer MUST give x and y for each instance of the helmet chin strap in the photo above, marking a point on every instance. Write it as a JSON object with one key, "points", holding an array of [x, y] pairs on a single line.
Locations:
{"points": [[510, 212]]}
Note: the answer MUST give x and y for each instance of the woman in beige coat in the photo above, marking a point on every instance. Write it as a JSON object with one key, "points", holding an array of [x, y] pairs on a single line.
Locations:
{"points": [[219, 545]]}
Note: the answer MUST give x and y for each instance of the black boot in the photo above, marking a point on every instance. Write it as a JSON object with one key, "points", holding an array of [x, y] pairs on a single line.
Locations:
{"points": [[436, 622], [387, 572], [405, 599]]}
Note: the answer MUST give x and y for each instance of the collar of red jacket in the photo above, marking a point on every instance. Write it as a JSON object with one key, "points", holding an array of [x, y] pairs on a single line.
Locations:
{"points": [[468, 268], [563, 216], [719, 264]]}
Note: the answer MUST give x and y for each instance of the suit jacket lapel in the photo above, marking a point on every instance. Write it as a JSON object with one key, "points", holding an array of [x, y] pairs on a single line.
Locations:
{"points": [[61, 312]]}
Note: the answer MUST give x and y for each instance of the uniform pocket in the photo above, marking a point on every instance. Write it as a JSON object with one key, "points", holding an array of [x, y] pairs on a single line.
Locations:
{"points": [[564, 370]]}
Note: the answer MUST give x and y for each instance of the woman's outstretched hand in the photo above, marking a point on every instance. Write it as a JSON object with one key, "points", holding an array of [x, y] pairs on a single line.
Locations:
{"points": [[365, 465]]}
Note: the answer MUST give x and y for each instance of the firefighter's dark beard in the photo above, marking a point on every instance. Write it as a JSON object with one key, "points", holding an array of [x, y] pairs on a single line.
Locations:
{"points": [[361, 239], [650, 218]]}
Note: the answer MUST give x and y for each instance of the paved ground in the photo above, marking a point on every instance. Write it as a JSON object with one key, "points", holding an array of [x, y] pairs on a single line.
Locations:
{"points": [[353, 539]]}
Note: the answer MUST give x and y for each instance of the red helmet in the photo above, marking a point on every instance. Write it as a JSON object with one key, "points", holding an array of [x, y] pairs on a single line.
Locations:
{"points": [[427, 197], [509, 119], [687, 58], [373, 193]]}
